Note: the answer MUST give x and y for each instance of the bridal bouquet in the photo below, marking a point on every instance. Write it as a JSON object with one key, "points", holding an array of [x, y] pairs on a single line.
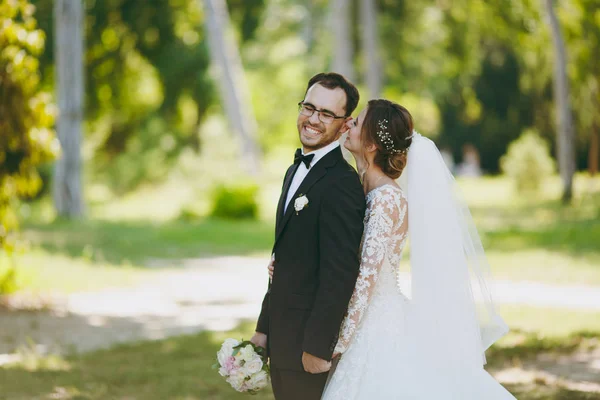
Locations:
{"points": [[243, 365]]}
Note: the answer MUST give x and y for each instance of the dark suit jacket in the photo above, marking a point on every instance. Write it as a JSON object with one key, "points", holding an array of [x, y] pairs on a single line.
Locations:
{"points": [[317, 263]]}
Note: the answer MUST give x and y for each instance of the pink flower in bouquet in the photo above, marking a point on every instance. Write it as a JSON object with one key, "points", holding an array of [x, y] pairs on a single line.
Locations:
{"points": [[229, 365]]}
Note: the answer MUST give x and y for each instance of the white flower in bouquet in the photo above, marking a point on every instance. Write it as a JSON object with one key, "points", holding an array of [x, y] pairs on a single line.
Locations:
{"points": [[258, 380], [223, 356], [229, 344], [236, 380], [247, 353], [243, 370], [253, 366], [226, 350], [223, 372], [237, 363]]}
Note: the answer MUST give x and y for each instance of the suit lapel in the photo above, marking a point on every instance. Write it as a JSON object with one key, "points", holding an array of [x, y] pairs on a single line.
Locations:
{"points": [[286, 187], [318, 171]]}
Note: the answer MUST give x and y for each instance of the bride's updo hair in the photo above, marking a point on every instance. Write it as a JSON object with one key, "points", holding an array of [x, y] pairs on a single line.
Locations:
{"points": [[388, 125]]}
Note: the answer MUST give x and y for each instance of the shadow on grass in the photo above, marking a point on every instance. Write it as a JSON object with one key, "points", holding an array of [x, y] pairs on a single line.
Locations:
{"points": [[180, 368], [560, 368], [525, 345], [138, 242], [545, 392], [175, 368]]}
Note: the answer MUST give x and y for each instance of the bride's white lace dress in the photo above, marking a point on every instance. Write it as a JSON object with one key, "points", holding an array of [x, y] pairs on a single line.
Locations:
{"points": [[381, 357]]}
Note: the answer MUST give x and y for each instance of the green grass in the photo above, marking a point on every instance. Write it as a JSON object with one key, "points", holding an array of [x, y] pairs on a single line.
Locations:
{"points": [[550, 321], [175, 368], [525, 239], [538, 239], [41, 271], [545, 265], [68, 256], [180, 368], [139, 242]]}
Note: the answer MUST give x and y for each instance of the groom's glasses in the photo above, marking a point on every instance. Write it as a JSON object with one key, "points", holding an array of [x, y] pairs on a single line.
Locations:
{"points": [[326, 117]]}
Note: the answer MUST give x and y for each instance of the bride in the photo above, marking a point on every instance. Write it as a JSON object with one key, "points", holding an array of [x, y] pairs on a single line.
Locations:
{"points": [[431, 345]]}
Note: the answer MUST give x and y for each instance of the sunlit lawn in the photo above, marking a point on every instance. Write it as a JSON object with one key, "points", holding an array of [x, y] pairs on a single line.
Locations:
{"points": [[526, 239], [74, 256]]}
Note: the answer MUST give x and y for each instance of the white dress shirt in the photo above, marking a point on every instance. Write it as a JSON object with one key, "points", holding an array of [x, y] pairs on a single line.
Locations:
{"points": [[302, 171]]}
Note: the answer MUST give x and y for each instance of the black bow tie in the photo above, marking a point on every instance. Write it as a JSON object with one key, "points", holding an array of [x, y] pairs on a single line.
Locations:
{"points": [[305, 159]]}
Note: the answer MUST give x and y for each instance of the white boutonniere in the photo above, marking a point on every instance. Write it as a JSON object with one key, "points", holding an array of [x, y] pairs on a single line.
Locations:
{"points": [[300, 203]]}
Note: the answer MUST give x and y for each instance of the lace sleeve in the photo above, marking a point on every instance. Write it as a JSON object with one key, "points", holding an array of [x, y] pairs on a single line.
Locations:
{"points": [[385, 219]]}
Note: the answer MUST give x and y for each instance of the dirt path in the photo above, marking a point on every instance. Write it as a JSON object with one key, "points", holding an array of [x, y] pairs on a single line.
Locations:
{"points": [[206, 294]]}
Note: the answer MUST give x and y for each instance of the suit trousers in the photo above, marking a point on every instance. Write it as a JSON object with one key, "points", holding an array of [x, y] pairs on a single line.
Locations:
{"points": [[297, 385]]}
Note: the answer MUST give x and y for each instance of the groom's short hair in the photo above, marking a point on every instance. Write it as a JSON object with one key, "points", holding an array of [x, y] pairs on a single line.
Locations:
{"points": [[332, 80]]}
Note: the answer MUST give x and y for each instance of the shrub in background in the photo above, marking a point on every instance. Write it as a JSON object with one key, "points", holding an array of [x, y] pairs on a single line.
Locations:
{"points": [[235, 202], [528, 162], [26, 119]]}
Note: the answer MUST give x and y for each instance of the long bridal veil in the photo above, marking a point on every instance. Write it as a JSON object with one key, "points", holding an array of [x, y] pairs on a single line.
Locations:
{"points": [[453, 315]]}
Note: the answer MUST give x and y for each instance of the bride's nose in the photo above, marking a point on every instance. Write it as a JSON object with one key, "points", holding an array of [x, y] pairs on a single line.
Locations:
{"points": [[350, 123]]}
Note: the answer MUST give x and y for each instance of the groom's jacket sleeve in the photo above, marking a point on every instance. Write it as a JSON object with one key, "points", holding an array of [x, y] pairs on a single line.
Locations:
{"points": [[340, 233], [263, 320]]}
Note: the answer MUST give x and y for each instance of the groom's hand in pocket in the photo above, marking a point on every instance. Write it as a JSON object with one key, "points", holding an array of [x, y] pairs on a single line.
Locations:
{"points": [[315, 365]]}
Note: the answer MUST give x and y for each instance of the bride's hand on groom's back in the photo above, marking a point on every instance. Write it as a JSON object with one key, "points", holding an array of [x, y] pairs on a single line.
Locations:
{"points": [[271, 268]]}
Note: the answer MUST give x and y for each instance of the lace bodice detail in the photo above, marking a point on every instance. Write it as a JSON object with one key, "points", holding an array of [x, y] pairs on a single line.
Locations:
{"points": [[386, 230]]}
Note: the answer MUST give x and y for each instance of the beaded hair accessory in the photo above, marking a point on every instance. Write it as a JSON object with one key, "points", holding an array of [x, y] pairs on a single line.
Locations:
{"points": [[386, 138]]}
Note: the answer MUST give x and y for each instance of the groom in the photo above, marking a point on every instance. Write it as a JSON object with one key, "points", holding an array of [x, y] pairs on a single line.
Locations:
{"points": [[317, 237]]}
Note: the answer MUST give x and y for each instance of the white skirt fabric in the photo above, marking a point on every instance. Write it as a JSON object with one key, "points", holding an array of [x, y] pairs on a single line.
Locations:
{"points": [[385, 361]]}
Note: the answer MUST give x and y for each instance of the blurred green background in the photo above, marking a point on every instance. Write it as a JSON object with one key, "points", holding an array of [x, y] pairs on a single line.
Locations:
{"points": [[172, 171]]}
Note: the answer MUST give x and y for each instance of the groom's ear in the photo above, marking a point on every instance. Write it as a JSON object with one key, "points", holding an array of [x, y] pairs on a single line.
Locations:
{"points": [[345, 126]]}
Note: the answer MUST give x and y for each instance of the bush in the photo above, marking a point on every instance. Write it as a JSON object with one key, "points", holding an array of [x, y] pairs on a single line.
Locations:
{"points": [[528, 162], [27, 139], [235, 202], [8, 279]]}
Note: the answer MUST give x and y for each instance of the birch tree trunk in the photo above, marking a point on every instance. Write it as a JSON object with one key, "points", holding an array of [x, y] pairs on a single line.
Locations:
{"points": [[342, 40], [68, 49], [370, 43], [565, 133], [231, 81]]}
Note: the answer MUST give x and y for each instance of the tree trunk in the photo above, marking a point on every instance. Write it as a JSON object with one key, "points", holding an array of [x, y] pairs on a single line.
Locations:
{"points": [[67, 183], [309, 26], [370, 43], [594, 150], [342, 40], [565, 134], [231, 81]]}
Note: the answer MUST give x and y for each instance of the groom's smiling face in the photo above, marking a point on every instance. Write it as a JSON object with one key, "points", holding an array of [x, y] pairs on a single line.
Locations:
{"points": [[314, 134]]}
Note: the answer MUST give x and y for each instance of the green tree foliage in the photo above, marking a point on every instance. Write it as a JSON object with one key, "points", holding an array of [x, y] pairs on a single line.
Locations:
{"points": [[142, 58], [471, 72], [488, 67], [148, 81], [26, 119]]}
